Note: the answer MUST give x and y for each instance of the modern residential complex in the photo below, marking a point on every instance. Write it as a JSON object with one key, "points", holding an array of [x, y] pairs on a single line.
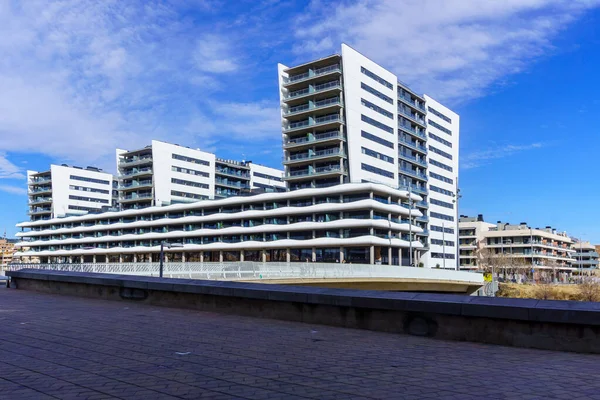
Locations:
{"points": [[163, 174], [471, 232], [347, 119], [7, 248], [359, 223], [65, 191], [585, 256], [520, 245]]}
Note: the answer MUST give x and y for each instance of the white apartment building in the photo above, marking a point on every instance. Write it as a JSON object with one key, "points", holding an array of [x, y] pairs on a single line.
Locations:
{"points": [[347, 119], [358, 223], [163, 174], [542, 249], [67, 190], [585, 256], [471, 231]]}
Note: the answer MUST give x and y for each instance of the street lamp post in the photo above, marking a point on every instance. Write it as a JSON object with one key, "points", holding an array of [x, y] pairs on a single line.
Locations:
{"points": [[162, 254], [443, 245], [458, 196]]}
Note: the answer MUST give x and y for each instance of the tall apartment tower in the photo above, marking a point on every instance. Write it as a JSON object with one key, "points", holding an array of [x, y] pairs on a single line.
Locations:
{"points": [[164, 173], [347, 119], [68, 191]]}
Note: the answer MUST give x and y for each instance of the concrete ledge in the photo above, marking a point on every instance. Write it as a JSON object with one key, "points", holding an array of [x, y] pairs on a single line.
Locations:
{"points": [[553, 325]]}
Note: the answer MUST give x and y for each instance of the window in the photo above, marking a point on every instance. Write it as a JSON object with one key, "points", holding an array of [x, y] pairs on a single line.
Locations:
{"points": [[441, 242], [376, 93], [265, 176], [94, 200], [441, 203], [376, 108], [378, 155], [375, 170], [441, 165], [441, 128], [440, 255], [189, 183], [440, 177], [440, 152], [189, 171], [190, 159], [376, 78], [439, 139], [84, 179], [376, 124], [376, 139], [440, 190], [439, 114], [87, 189], [80, 208], [441, 216], [441, 229], [188, 195]]}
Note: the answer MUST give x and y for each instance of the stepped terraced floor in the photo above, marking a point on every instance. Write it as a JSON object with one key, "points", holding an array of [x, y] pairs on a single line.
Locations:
{"points": [[73, 348]]}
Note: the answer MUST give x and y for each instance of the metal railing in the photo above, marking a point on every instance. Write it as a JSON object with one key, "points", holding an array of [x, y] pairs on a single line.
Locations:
{"points": [[250, 270]]}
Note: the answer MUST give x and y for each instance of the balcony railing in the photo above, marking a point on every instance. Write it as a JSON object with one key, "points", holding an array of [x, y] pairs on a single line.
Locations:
{"points": [[408, 99], [316, 89], [316, 154], [39, 181], [315, 171], [413, 131], [137, 159], [41, 189], [137, 196], [315, 138], [312, 74], [135, 184], [317, 121], [412, 158], [40, 200], [137, 171], [412, 172], [314, 106], [413, 145], [415, 117]]}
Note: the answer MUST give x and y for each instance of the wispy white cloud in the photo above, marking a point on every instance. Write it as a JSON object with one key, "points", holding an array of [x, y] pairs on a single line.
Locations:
{"points": [[8, 170], [481, 157], [18, 190], [453, 50], [214, 54]]}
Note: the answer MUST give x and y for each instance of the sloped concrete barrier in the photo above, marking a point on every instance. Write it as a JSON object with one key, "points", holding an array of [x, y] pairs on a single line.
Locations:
{"points": [[551, 325]]}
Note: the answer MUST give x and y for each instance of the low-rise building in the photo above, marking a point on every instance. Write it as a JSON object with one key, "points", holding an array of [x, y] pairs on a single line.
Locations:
{"points": [[360, 223], [516, 245], [471, 230], [7, 248], [585, 256]]}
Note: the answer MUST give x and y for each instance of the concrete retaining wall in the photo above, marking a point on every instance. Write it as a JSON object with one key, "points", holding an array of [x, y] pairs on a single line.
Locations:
{"points": [[552, 325]]}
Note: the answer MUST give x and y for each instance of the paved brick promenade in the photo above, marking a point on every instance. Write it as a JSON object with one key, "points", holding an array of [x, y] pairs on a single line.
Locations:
{"points": [[71, 348]]}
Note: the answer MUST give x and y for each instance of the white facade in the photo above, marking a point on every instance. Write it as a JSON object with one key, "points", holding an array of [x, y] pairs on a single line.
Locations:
{"points": [[162, 174], [262, 177], [442, 164], [359, 223], [471, 232], [347, 119], [66, 191]]}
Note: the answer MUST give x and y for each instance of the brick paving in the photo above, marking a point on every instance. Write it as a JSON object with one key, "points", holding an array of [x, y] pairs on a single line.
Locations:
{"points": [[54, 347]]}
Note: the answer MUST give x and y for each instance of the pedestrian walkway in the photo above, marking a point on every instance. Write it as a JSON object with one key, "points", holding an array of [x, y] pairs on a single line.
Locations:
{"points": [[61, 347]]}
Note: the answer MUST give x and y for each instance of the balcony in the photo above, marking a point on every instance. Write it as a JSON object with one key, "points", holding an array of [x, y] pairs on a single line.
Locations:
{"points": [[308, 107], [411, 158], [414, 189], [411, 131], [40, 200], [310, 172], [412, 116], [311, 90], [43, 189], [138, 172], [294, 79], [311, 139], [407, 99], [39, 210], [413, 173], [423, 218], [233, 172], [136, 197], [413, 145], [422, 204], [309, 123], [303, 157], [40, 180], [136, 160], [234, 184], [136, 184]]}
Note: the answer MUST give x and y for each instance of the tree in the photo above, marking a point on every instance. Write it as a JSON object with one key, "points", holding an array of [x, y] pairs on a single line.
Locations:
{"points": [[589, 289]]}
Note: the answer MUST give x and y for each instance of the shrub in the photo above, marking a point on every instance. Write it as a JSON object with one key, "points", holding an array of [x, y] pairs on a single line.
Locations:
{"points": [[589, 290]]}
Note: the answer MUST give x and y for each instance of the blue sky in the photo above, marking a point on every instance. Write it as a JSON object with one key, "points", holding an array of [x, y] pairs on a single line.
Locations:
{"points": [[80, 78]]}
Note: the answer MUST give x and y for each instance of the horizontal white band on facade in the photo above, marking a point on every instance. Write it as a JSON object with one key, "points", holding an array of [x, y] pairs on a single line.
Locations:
{"points": [[264, 197], [366, 240], [366, 204], [234, 230]]}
